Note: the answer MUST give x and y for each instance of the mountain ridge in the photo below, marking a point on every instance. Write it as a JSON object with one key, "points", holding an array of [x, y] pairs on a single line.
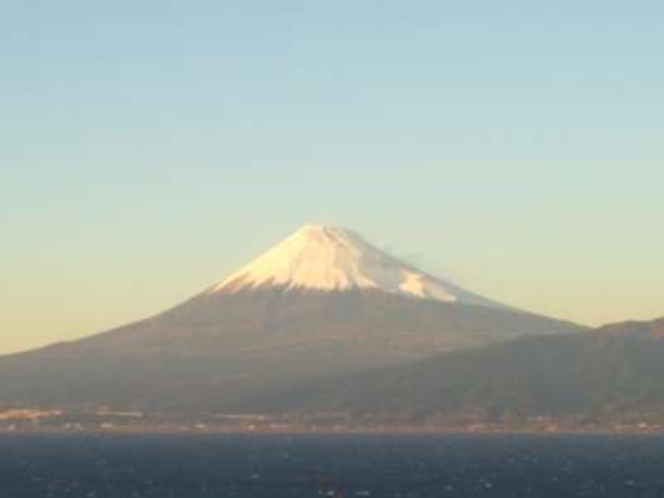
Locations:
{"points": [[611, 374]]}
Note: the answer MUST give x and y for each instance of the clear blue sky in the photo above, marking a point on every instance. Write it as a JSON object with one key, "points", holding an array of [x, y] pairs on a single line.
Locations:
{"points": [[150, 147]]}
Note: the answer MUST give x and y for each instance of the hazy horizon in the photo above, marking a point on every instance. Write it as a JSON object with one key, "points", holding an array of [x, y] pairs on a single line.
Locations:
{"points": [[150, 150]]}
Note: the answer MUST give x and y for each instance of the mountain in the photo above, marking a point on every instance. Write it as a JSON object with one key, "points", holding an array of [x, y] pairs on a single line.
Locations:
{"points": [[609, 375], [322, 304]]}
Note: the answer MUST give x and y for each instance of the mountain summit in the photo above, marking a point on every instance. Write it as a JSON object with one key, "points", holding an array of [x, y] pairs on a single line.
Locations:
{"points": [[328, 258]]}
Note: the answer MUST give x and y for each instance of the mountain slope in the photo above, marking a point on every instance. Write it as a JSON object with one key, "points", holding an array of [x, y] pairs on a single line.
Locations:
{"points": [[222, 350], [615, 373]]}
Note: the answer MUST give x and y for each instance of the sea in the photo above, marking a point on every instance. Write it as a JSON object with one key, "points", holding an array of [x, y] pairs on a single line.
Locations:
{"points": [[275, 466]]}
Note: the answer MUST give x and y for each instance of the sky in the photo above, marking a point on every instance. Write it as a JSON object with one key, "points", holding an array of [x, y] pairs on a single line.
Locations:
{"points": [[150, 148]]}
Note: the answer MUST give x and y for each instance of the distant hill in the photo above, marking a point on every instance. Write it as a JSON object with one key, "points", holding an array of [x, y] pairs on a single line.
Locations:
{"points": [[615, 373]]}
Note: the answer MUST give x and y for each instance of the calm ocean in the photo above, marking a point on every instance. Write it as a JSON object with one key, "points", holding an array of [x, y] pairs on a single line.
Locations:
{"points": [[184, 466]]}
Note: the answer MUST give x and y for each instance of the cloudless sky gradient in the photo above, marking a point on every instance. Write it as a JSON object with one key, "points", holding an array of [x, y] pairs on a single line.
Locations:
{"points": [[150, 147]]}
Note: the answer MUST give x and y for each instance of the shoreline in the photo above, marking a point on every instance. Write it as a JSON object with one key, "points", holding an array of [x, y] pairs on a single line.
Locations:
{"points": [[359, 430]]}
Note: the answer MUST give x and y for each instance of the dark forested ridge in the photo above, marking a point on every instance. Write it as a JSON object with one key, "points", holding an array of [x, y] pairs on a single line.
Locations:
{"points": [[612, 373]]}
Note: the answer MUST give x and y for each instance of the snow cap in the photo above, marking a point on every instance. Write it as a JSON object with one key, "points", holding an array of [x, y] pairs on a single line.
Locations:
{"points": [[329, 258]]}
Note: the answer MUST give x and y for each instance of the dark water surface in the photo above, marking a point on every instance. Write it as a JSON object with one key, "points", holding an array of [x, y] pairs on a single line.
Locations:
{"points": [[351, 466]]}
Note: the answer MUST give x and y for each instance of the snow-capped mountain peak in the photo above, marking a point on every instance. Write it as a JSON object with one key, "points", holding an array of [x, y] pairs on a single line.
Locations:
{"points": [[328, 258]]}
